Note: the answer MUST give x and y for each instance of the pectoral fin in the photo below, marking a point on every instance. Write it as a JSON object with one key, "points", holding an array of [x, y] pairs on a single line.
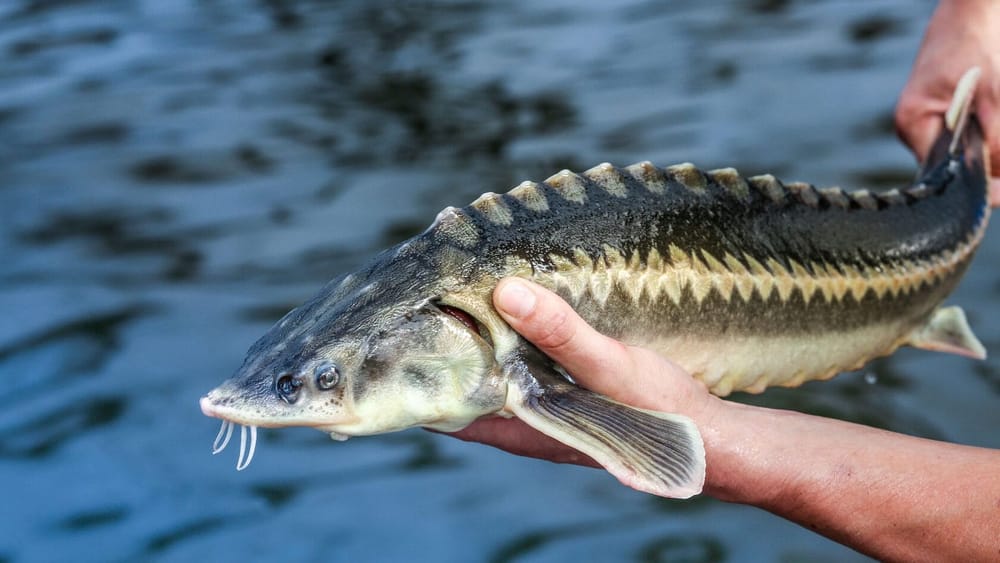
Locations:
{"points": [[948, 331], [654, 452]]}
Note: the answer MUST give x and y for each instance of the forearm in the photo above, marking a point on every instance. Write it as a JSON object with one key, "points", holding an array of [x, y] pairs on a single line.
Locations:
{"points": [[891, 496]]}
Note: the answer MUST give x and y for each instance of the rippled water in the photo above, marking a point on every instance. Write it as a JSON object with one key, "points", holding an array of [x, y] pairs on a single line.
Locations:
{"points": [[175, 175]]}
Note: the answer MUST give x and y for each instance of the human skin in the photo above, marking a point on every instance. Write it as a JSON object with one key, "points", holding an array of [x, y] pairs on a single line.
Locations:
{"points": [[961, 34], [891, 496]]}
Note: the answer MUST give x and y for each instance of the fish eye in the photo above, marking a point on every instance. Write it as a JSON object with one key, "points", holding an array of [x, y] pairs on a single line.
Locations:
{"points": [[287, 387], [327, 376]]}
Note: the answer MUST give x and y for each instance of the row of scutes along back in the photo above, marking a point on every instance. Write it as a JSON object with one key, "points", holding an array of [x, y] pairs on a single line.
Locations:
{"points": [[616, 182]]}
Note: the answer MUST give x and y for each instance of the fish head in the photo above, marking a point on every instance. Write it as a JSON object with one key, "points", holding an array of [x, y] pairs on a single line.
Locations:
{"points": [[365, 361]]}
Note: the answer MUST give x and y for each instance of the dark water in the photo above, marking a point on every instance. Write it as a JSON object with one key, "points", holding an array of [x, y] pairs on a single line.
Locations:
{"points": [[175, 175]]}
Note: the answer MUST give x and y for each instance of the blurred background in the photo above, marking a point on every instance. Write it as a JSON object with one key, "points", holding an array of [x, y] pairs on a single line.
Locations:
{"points": [[175, 175]]}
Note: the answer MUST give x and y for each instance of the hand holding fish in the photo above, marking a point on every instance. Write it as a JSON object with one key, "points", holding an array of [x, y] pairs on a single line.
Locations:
{"points": [[891, 496], [597, 362], [745, 282], [961, 34]]}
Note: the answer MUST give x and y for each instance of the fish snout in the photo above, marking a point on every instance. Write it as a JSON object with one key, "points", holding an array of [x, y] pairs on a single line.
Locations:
{"points": [[207, 407]]}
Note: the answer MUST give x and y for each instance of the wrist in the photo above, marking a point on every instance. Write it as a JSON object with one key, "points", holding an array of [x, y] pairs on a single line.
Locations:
{"points": [[745, 452]]}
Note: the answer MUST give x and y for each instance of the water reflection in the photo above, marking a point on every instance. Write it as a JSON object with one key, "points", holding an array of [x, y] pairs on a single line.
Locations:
{"points": [[990, 374], [41, 436], [162, 542], [527, 544], [684, 549], [83, 521]]}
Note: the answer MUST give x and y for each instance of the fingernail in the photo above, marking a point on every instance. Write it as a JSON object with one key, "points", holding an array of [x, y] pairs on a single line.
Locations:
{"points": [[516, 299]]}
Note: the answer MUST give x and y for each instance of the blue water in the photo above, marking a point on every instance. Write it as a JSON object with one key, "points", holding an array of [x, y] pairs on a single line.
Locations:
{"points": [[175, 175]]}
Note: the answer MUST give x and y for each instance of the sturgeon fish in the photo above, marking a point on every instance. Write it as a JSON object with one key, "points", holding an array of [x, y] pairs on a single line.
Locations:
{"points": [[744, 282]]}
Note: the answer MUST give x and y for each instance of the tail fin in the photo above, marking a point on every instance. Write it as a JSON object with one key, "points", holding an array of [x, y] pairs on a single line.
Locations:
{"points": [[958, 112], [962, 136]]}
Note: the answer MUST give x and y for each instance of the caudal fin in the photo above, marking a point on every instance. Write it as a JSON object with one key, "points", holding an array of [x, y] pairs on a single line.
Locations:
{"points": [[961, 103], [962, 136]]}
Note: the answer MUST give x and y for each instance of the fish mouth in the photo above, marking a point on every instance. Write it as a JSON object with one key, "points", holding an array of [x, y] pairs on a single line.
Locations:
{"points": [[213, 409]]}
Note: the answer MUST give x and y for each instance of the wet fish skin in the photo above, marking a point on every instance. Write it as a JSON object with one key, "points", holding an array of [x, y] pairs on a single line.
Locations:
{"points": [[709, 268], [745, 282]]}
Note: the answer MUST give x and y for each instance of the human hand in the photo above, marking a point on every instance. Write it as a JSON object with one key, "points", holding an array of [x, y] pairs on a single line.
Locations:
{"points": [[961, 34], [628, 374], [864, 487]]}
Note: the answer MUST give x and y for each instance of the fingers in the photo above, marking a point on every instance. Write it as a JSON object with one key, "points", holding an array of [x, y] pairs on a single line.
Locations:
{"points": [[951, 45], [989, 114], [993, 141], [918, 123], [632, 375], [921, 106], [514, 436], [551, 324], [628, 374]]}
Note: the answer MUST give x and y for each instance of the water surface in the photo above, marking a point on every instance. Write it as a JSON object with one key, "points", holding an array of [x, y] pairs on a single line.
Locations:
{"points": [[174, 176]]}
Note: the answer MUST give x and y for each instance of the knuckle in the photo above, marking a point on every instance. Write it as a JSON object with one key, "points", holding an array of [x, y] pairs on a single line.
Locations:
{"points": [[906, 112], [905, 119], [901, 116]]}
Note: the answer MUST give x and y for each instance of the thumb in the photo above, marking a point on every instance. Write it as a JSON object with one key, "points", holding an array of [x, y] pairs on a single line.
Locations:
{"points": [[553, 326], [602, 364]]}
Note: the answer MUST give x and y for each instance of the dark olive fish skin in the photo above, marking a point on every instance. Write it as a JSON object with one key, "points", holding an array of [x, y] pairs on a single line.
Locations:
{"points": [[802, 224], [722, 214]]}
